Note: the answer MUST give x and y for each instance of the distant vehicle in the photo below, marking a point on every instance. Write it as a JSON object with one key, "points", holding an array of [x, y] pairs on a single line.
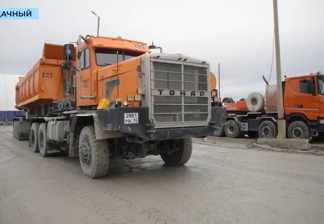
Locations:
{"points": [[256, 116]]}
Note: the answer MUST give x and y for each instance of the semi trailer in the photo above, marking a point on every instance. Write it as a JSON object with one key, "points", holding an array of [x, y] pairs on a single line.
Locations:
{"points": [[111, 97], [256, 116]]}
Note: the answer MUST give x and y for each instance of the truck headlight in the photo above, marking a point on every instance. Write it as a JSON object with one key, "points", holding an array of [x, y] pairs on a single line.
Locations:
{"points": [[138, 97], [321, 121], [130, 98]]}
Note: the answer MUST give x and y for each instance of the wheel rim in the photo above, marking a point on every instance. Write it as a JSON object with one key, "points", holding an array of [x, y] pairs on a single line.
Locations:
{"points": [[266, 131], [230, 129], [86, 152], [41, 140], [297, 132]]}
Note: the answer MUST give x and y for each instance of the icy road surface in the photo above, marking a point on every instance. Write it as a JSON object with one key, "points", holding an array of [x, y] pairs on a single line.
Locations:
{"points": [[218, 185]]}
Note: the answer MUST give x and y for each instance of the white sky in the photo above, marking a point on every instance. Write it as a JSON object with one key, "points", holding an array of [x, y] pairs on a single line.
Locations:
{"points": [[236, 33]]}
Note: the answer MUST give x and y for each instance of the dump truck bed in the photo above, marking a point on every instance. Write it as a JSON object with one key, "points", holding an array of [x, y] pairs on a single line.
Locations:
{"points": [[43, 84]]}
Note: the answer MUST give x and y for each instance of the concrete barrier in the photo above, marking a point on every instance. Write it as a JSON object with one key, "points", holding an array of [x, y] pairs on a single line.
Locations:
{"points": [[295, 144]]}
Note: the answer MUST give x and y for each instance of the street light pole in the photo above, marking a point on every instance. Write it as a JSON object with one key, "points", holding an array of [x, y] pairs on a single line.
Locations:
{"points": [[97, 22], [6, 99], [281, 119]]}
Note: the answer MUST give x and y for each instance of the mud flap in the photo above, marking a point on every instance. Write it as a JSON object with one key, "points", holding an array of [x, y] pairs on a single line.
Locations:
{"points": [[21, 129]]}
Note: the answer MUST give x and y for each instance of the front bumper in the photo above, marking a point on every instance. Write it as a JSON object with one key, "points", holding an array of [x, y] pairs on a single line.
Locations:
{"points": [[113, 120], [318, 125]]}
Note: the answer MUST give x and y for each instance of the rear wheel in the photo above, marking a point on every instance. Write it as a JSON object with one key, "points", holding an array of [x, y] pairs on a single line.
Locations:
{"points": [[33, 137], [44, 146], [267, 129], [181, 155], [298, 130], [93, 154], [220, 132], [232, 129]]}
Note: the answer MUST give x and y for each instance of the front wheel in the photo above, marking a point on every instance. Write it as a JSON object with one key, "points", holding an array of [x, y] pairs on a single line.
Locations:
{"points": [[181, 155], [93, 154], [298, 130]]}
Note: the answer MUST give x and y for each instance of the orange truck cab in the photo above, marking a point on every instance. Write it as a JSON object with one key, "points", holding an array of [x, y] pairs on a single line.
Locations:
{"points": [[303, 99]]}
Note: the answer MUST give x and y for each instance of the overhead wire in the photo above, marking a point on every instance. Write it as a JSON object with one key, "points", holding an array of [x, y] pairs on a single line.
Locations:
{"points": [[273, 51], [272, 62]]}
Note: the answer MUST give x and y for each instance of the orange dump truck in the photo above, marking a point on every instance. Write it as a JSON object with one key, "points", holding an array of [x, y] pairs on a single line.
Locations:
{"points": [[109, 97]]}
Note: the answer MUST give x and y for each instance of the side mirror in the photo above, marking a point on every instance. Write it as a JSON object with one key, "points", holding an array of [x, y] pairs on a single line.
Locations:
{"points": [[79, 54], [68, 52]]}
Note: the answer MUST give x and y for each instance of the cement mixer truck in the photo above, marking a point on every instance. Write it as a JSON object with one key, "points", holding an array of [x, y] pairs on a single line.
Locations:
{"points": [[256, 116], [110, 97]]}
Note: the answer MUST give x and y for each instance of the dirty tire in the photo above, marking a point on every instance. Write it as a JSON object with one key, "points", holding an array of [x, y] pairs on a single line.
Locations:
{"points": [[232, 130], [43, 145], [33, 137], [220, 132], [97, 164], [228, 100], [267, 129], [181, 156], [298, 130], [255, 102], [253, 134]]}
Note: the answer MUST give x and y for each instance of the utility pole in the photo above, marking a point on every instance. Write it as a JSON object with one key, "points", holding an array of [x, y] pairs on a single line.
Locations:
{"points": [[98, 23], [219, 79], [281, 119]]}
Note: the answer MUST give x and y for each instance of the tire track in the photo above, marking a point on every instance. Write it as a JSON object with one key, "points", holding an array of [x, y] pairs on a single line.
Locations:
{"points": [[127, 205]]}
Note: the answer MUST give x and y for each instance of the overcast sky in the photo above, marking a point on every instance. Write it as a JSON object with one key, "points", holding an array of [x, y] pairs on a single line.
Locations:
{"points": [[236, 33]]}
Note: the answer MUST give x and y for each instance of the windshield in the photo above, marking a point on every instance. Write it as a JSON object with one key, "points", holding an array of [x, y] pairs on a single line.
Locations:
{"points": [[321, 86], [108, 56]]}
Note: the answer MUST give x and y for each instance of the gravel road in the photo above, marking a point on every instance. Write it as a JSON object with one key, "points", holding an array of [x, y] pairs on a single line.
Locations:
{"points": [[218, 185]]}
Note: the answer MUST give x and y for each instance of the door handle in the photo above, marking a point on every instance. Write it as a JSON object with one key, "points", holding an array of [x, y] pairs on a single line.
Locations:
{"points": [[300, 106]]}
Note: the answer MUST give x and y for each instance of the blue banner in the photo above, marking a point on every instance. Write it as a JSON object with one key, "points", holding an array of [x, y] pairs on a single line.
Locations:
{"points": [[19, 13]]}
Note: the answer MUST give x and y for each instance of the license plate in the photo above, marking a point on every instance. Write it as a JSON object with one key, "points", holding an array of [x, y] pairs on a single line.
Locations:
{"points": [[130, 118]]}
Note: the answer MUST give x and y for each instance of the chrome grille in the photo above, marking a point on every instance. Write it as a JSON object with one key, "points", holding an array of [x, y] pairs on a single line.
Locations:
{"points": [[181, 79]]}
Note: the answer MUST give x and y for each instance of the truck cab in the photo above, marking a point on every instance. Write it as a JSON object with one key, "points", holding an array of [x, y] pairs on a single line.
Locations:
{"points": [[304, 101]]}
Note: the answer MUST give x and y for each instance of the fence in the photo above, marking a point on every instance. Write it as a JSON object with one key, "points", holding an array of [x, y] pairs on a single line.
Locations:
{"points": [[7, 116]]}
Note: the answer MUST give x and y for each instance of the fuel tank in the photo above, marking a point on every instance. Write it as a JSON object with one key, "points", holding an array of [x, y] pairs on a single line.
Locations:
{"points": [[43, 84]]}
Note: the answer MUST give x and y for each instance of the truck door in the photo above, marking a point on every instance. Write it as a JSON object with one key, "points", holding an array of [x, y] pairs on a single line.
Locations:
{"points": [[85, 79], [302, 98]]}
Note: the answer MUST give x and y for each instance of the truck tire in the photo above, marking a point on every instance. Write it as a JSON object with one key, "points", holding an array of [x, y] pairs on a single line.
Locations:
{"points": [[232, 129], [220, 132], [33, 137], [255, 102], [181, 156], [298, 130], [228, 100], [44, 146], [93, 154], [267, 129]]}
